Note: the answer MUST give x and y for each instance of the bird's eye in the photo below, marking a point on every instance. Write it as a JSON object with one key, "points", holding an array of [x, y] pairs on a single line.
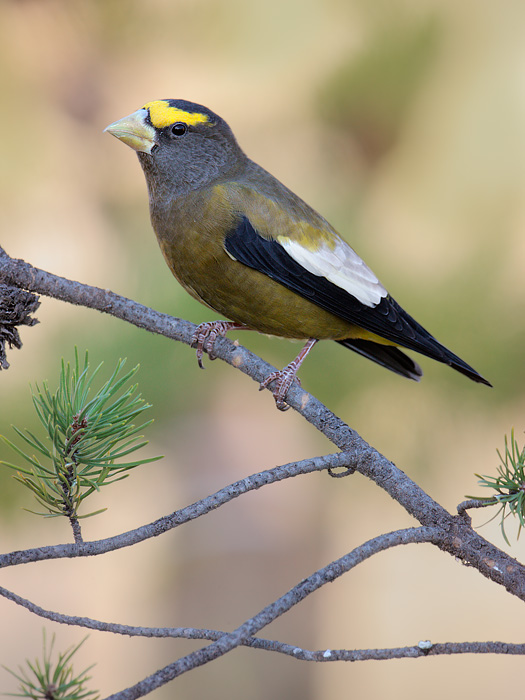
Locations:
{"points": [[179, 129]]}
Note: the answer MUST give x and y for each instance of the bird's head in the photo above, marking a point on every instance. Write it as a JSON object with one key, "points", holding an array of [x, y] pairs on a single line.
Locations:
{"points": [[180, 144]]}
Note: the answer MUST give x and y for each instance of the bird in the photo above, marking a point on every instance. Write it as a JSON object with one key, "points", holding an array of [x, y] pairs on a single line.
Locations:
{"points": [[246, 246]]}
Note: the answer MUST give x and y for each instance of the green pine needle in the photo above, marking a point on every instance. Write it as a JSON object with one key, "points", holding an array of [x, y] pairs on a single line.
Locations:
{"points": [[53, 680], [86, 433], [508, 485]]}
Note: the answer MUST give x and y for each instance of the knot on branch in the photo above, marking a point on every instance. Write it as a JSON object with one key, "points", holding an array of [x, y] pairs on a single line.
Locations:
{"points": [[16, 307]]}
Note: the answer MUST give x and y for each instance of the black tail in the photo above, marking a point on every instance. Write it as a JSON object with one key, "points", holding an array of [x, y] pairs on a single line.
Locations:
{"points": [[385, 355], [392, 358]]}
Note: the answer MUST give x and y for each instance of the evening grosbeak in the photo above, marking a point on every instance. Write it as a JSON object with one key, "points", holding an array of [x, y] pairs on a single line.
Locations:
{"points": [[246, 246]]}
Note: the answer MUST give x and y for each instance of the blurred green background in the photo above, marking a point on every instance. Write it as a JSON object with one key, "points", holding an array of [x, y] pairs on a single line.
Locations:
{"points": [[402, 122]]}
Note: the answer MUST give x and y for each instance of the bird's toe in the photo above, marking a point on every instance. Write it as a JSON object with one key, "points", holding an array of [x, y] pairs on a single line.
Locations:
{"points": [[283, 380]]}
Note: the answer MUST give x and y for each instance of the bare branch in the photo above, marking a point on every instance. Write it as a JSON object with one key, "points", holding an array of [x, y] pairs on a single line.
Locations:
{"points": [[230, 641], [418, 651], [21, 274], [320, 655], [475, 503], [77, 530], [179, 517]]}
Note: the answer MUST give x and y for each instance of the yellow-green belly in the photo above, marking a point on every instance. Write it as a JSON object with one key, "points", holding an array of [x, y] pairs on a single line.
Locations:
{"points": [[194, 251]]}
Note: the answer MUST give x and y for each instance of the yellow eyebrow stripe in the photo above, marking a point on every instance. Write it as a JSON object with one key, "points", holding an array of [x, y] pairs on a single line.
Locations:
{"points": [[162, 114]]}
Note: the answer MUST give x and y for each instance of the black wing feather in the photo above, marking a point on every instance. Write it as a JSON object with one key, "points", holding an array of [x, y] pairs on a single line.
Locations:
{"points": [[387, 319]]}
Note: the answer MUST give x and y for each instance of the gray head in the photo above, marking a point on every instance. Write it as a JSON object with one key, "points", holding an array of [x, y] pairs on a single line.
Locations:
{"points": [[181, 145]]}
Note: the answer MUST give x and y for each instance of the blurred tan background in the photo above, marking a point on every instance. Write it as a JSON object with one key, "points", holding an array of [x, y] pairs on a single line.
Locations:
{"points": [[402, 122]]}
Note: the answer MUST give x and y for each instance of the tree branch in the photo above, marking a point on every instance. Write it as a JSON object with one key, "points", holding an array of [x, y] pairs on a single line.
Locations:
{"points": [[179, 517], [458, 538], [452, 534], [230, 641], [319, 655], [327, 574], [475, 503]]}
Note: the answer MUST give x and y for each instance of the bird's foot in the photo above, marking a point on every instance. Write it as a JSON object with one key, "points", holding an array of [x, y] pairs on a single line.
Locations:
{"points": [[207, 333], [283, 381], [284, 378]]}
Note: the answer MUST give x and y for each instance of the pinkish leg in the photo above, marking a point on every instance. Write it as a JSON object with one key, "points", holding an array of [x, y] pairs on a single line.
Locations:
{"points": [[284, 378], [206, 334]]}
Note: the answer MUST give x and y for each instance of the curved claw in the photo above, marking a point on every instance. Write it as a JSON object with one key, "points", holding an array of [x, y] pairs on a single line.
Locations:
{"points": [[207, 333], [283, 381], [284, 378]]}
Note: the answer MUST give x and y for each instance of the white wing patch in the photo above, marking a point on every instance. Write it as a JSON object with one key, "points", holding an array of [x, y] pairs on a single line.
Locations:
{"points": [[342, 266]]}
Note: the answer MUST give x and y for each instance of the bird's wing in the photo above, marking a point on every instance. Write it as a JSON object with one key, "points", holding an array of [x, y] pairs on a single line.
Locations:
{"points": [[334, 278], [279, 235], [266, 224]]}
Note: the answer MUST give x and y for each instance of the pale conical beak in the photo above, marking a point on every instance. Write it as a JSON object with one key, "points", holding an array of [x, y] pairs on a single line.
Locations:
{"points": [[134, 131]]}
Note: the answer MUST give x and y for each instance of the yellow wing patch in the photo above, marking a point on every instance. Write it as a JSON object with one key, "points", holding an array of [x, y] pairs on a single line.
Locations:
{"points": [[162, 114]]}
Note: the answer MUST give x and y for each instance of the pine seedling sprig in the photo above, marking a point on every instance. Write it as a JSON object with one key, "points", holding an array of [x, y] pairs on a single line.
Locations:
{"points": [[53, 680], [508, 485], [87, 432]]}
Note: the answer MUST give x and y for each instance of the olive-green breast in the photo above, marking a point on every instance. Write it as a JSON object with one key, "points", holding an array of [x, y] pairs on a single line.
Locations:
{"points": [[191, 235]]}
